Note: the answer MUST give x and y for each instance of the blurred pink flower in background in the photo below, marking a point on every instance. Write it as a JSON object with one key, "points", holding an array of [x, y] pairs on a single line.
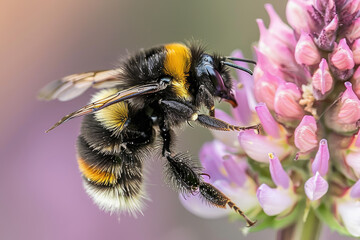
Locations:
{"points": [[305, 165]]}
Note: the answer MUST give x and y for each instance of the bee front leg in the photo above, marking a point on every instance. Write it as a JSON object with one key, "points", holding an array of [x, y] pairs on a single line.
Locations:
{"points": [[217, 124]]}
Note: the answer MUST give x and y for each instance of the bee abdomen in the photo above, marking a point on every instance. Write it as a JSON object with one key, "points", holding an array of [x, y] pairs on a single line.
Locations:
{"points": [[113, 181]]}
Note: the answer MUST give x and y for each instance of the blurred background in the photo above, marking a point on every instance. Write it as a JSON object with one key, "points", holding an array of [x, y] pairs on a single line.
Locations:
{"points": [[41, 193]]}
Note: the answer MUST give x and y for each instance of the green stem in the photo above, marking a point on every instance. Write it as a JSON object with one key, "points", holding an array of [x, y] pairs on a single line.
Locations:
{"points": [[308, 230]]}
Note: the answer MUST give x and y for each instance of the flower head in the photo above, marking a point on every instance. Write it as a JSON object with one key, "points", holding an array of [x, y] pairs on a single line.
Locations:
{"points": [[307, 85]]}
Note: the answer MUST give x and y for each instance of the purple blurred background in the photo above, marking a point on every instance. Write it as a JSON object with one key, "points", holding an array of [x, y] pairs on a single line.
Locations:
{"points": [[41, 191]]}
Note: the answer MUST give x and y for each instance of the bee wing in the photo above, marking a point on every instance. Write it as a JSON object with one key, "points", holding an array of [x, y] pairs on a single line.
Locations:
{"points": [[74, 85], [112, 99]]}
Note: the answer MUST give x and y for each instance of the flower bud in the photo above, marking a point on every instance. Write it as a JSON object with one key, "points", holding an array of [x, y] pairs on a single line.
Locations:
{"points": [[316, 187], [265, 88], [322, 5], [351, 7], [342, 57], [322, 80], [305, 134], [286, 102], [269, 124], [326, 39], [356, 51], [349, 111], [306, 52], [321, 161]]}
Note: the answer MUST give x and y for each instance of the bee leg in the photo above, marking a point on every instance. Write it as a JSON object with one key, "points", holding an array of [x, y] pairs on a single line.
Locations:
{"points": [[186, 176], [215, 197], [204, 97], [217, 124]]}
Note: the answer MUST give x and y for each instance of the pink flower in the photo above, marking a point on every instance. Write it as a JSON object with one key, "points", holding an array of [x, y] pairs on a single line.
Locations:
{"points": [[306, 52], [322, 80], [300, 84], [305, 134], [342, 57], [286, 103], [356, 51], [316, 187], [276, 200]]}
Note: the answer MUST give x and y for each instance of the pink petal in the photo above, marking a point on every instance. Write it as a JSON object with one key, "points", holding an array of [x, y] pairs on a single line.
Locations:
{"points": [[265, 88], [349, 111], [198, 207], [274, 48], [306, 52], [278, 174], [236, 172], [273, 201], [211, 156], [244, 197], [257, 147], [269, 124], [228, 138], [242, 113], [342, 57], [356, 51], [279, 29], [322, 79], [355, 190], [321, 161], [353, 32], [357, 140], [350, 214], [356, 81], [297, 14], [286, 103], [353, 160], [316, 187], [305, 134], [246, 80]]}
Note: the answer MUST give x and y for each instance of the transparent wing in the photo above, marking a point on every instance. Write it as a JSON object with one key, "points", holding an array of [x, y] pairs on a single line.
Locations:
{"points": [[115, 98], [74, 85]]}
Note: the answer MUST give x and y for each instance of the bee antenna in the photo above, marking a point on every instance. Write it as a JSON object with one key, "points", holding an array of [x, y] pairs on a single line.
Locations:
{"points": [[238, 67], [241, 60]]}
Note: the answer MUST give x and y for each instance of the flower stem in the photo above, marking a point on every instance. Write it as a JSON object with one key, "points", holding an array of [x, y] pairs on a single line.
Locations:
{"points": [[308, 230]]}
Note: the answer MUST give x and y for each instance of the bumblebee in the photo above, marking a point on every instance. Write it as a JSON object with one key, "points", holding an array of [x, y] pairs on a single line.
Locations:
{"points": [[143, 100]]}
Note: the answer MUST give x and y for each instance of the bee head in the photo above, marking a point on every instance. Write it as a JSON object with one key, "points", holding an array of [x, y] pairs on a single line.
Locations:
{"points": [[211, 69]]}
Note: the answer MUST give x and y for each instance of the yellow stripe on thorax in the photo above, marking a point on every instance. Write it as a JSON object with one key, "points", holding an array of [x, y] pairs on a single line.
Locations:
{"points": [[177, 64], [94, 174]]}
